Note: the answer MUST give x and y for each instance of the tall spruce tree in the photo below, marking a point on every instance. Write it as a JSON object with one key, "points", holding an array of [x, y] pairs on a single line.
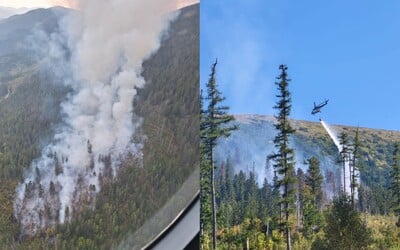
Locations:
{"points": [[344, 156], [395, 180], [284, 158], [314, 180], [301, 196], [345, 228], [214, 120], [355, 166], [312, 198], [205, 184]]}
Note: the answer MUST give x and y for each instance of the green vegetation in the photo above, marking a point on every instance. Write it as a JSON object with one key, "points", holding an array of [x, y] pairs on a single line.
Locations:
{"points": [[344, 157], [345, 229], [355, 166], [310, 198], [248, 215], [27, 120], [251, 214], [29, 116], [375, 154], [213, 126], [284, 158], [395, 181]]}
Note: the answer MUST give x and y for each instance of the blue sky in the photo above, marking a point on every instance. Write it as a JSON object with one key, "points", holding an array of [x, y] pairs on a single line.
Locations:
{"points": [[345, 51]]}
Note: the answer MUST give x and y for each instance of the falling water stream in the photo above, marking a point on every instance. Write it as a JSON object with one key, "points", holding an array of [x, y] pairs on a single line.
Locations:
{"points": [[332, 133]]}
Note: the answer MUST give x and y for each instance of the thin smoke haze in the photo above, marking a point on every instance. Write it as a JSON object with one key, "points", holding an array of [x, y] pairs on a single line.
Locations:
{"points": [[75, 4], [38, 3], [103, 68]]}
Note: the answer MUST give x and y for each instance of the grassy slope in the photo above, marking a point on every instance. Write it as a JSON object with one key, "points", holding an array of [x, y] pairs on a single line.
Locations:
{"points": [[376, 150], [377, 144]]}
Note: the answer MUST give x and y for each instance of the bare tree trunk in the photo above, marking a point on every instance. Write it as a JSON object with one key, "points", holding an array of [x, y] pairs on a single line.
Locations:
{"points": [[288, 240], [201, 207], [213, 205], [298, 211], [344, 175], [351, 183]]}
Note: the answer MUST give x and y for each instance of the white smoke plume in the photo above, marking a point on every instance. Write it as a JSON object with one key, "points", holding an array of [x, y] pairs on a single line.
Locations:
{"points": [[63, 3], [184, 3], [32, 4], [107, 42]]}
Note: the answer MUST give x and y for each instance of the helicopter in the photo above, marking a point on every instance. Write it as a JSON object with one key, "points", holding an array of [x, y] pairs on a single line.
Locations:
{"points": [[317, 108]]}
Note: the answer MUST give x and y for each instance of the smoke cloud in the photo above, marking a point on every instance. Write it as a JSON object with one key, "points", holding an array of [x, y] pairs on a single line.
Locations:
{"points": [[184, 3], [38, 3], [247, 150], [63, 3], [100, 50]]}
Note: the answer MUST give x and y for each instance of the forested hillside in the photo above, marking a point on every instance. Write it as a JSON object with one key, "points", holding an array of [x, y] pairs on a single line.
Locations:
{"points": [[30, 115], [248, 198]]}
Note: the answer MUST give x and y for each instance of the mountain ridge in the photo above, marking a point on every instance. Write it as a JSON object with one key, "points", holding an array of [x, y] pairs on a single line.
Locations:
{"points": [[6, 12], [248, 117], [247, 149]]}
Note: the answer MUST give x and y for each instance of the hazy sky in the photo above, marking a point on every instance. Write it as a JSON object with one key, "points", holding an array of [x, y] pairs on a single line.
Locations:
{"points": [[182, 3], [65, 3], [345, 51], [34, 3]]}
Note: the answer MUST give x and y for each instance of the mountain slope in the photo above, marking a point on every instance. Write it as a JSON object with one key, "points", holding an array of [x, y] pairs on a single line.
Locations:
{"points": [[249, 210], [6, 12], [16, 30], [31, 112], [248, 147]]}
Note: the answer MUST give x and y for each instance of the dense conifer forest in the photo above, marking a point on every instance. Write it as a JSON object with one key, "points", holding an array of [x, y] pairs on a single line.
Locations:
{"points": [[29, 116]]}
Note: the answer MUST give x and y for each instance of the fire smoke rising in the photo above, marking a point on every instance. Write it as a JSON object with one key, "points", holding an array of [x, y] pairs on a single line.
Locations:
{"points": [[332, 133], [63, 3], [107, 42]]}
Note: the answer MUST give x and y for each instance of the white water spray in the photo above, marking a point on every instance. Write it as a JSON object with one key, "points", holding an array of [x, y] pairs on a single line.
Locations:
{"points": [[347, 173], [107, 42]]}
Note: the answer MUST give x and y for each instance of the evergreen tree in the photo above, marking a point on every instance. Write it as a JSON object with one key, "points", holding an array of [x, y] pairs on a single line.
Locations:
{"points": [[229, 180], [251, 195], [363, 200], [276, 200], [344, 156], [312, 198], [284, 158], [395, 180], [301, 196], [213, 126], [345, 228], [266, 205], [239, 187], [355, 166], [314, 180], [205, 184]]}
